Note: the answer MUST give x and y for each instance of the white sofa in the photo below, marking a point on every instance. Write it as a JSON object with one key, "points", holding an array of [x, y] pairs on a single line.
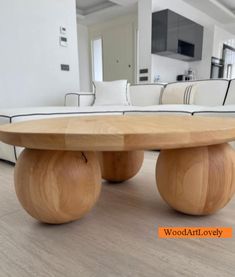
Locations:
{"points": [[212, 98]]}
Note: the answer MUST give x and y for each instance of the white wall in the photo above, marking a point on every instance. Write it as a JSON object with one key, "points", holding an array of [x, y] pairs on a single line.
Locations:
{"points": [[213, 41], [84, 57], [30, 55], [167, 68], [203, 68], [221, 36], [144, 36]]}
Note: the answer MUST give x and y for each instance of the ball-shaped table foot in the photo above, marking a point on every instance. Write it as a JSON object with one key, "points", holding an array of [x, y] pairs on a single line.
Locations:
{"points": [[197, 181], [121, 165], [57, 186]]}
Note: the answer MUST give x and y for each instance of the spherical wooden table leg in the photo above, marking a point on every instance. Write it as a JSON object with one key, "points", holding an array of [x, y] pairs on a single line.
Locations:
{"points": [[121, 165], [57, 186], [197, 181]]}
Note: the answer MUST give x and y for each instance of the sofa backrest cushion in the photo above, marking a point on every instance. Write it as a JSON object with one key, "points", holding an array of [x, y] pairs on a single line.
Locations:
{"points": [[175, 95], [208, 93], [145, 95], [230, 98], [111, 93]]}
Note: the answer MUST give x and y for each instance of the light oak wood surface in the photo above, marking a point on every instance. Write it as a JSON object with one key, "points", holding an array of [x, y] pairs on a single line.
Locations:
{"points": [[47, 197], [57, 186], [197, 181], [120, 166], [118, 133]]}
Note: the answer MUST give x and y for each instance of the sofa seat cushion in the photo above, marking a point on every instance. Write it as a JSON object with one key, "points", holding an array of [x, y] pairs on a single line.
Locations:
{"points": [[31, 113], [11, 153], [166, 109], [17, 112], [225, 111], [219, 111], [230, 98]]}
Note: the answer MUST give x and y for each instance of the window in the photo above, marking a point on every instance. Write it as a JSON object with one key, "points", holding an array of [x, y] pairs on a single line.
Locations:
{"points": [[97, 59]]}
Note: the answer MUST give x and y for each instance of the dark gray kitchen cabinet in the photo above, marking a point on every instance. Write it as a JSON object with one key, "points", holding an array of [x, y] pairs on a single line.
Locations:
{"points": [[172, 31], [186, 29], [175, 36], [159, 32], [198, 31]]}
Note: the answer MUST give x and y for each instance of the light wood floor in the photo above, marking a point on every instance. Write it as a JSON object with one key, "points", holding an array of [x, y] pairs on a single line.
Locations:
{"points": [[118, 238]]}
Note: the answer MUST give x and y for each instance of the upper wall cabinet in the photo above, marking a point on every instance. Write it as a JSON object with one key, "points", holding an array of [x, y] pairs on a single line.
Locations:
{"points": [[176, 36]]}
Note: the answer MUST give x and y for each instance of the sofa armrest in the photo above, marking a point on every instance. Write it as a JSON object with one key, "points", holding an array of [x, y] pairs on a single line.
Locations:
{"points": [[79, 99]]}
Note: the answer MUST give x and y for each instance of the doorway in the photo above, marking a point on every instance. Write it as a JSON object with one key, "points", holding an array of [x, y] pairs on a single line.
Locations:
{"points": [[113, 50], [118, 53], [97, 59]]}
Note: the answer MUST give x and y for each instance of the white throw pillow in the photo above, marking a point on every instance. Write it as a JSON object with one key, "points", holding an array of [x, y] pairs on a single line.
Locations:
{"points": [[178, 95], [111, 93]]}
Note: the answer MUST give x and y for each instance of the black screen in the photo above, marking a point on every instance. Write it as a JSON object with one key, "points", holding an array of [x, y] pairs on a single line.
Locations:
{"points": [[186, 48]]}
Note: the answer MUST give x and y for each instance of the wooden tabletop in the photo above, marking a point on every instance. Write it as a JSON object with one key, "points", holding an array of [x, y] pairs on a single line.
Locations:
{"points": [[119, 132]]}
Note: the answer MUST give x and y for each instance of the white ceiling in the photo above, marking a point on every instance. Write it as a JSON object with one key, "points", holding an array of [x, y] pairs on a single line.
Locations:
{"points": [[87, 4], [94, 11], [230, 4], [221, 10], [85, 7]]}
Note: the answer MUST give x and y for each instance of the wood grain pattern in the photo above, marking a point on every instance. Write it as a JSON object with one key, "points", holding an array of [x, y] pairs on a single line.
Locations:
{"points": [[121, 165], [116, 239], [57, 186], [197, 181], [119, 133]]}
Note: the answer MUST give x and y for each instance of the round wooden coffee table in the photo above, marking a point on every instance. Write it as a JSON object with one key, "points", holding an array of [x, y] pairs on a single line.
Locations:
{"points": [[58, 175]]}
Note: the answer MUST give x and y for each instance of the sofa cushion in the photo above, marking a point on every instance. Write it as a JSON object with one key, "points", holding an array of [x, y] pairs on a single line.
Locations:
{"points": [[11, 153], [224, 111], [219, 111], [230, 98], [7, 152], [22, 114], [177, 95], [145, 95], [111, 93], [209, 92], [139, 95], [166, 110]]}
